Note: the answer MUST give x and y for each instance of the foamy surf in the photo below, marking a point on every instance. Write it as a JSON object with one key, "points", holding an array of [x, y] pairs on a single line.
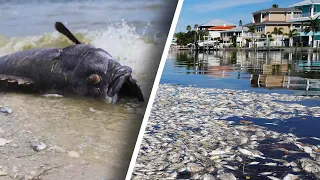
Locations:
{"points": [[141, 52]]}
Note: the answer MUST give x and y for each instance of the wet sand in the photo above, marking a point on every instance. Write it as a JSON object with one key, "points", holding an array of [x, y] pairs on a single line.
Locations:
{"points": [[101, 139]]}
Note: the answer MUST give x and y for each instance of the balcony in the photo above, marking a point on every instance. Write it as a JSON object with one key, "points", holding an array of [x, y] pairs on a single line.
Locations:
{"points": [[297, 15], [308, 14]]}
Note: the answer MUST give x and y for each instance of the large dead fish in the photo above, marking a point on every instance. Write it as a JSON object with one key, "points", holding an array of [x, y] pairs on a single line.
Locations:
{"points": [[78, 69]]}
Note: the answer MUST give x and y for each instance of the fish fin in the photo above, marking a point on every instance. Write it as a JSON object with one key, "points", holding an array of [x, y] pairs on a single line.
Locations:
{"points": [[16, 80], [65, 31]]}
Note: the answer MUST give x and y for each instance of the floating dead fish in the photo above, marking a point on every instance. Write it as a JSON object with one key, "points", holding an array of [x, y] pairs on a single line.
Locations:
{"points": [[273, 178], [266, 173], [275, 124], [254, 163], [249, 153], [315, 138], [270, 164], [65, 70], [6, 110], [291, 177], [230, 167], [52, 96]]}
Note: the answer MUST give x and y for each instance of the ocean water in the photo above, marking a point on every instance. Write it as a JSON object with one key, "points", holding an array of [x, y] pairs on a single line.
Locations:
{"points": [[133, 32]]}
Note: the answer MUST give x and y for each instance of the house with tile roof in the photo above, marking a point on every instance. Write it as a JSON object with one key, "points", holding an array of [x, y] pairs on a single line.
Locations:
{"points": [[215, 27]]}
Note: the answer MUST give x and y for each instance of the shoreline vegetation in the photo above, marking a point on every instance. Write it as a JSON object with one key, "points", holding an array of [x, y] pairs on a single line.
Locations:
{"points": [[285, 49], [204, 133]]}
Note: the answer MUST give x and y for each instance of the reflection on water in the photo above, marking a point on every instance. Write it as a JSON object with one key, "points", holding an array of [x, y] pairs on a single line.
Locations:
{"points": [[271, 70]]}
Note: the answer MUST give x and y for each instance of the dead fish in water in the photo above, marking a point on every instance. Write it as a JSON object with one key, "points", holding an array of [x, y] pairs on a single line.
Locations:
{"points": [[78, 69], [266, 173], [52, 96], [6, 110]]}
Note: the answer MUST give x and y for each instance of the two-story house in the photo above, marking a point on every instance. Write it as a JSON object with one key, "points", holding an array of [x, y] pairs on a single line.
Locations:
{"points": [[267, 19], [310, 9], [215, 27], [239, 32]]}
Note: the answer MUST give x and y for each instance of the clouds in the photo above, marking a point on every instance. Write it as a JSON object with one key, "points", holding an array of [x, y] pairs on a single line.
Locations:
{"points": [[212, 5]]}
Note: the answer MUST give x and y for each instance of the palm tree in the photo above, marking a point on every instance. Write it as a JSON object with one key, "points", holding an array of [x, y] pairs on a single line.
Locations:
{"points": [[269, 36], [188, 28], [275, 6], [196, 27], [313, 27], [277, 31], [252, 30], [292, 33]]}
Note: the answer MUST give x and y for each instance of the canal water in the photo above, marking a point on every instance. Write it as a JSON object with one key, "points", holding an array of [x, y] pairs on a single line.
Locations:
{"points": [[259, 72], [265, 72]]}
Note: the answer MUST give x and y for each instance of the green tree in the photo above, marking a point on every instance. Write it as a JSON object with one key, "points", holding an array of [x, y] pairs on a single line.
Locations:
{"points": [[203, 33], [275, 6], [252, 30], [234, 40], [313, 27], [292, 33], [188, 28], [180, 37], [277, 31]]}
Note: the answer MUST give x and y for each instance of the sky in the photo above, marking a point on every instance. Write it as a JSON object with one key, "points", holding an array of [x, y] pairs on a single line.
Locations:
{"points": [[200, 12]]}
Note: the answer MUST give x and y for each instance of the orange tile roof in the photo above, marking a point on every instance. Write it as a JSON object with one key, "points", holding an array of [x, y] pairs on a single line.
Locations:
{"points": [[220, 28]]}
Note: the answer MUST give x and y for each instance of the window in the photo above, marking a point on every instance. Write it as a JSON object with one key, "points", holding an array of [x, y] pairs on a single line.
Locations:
{"points": [[259, 29]]}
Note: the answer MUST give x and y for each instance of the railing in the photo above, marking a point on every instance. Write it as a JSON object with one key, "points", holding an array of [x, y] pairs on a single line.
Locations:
{"points": [[297, 15], [177, 47]]}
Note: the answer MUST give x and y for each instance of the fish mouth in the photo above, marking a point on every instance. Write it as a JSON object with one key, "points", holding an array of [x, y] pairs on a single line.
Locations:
{"points": [[124, 86]]}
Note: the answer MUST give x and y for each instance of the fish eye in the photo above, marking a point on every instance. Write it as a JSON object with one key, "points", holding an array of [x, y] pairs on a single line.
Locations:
{"points": [[94, 79]]}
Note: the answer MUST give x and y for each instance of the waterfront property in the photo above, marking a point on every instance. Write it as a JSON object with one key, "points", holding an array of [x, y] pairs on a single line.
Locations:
{"points": [[310, 9], [215, 27], [238, 32], [267, 20]]}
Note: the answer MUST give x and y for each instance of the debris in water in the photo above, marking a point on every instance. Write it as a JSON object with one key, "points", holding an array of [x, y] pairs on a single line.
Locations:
{"points": [[38, 146], [6, 110]]}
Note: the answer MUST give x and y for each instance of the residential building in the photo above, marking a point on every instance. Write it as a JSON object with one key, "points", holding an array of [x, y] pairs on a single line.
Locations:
{"points": [[215, 27], [310, 9], [239, 32], [267, 19]]}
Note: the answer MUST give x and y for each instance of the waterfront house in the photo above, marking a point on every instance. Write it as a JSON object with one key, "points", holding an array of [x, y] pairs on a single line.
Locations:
{"points": [[267, 19], [310, 8], [239, 32], [215, 27]]}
